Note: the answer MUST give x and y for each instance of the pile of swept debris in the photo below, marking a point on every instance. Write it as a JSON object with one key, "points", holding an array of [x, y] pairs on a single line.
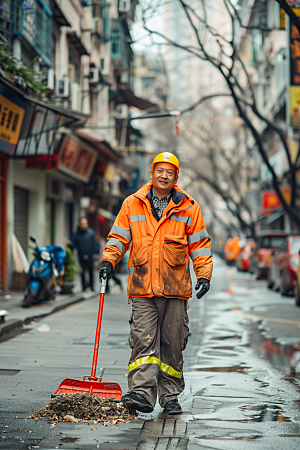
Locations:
{"points": [[84, 408]]}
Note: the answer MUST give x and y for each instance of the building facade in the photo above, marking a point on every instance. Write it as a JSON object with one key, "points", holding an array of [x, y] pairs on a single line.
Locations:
{"points": [[61, 155]]}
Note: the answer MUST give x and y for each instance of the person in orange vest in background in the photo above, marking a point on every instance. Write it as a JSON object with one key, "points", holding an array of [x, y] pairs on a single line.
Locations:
{"points": [[232, 249], [165, 228], [227, 248]]}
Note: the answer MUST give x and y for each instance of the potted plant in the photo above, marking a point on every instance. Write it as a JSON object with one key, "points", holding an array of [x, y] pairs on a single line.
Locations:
{"points": [[70, 272]]}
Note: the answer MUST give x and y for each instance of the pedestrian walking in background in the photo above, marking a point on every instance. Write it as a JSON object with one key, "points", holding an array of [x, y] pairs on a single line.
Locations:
{"points": [[85, 241], [165, 227]]}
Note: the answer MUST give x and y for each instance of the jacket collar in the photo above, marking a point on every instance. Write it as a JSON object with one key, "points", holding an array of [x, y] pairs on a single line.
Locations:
{"points": [[177, 193]]}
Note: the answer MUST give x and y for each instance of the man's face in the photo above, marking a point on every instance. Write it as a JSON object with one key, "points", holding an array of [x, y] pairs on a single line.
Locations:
{"points": [[164, 176], [83, 224]]}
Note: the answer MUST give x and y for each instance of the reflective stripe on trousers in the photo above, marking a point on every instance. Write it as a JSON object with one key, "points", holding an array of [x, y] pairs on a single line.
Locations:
{"points": [[152, 360]]}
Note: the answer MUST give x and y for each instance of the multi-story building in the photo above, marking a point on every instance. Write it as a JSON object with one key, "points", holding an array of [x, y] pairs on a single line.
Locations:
{"points": [[60, 156], [264, 45]]}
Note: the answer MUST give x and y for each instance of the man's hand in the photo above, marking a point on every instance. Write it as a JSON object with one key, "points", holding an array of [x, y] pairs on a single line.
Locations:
{"points": [[203, 285], [106, 270]]}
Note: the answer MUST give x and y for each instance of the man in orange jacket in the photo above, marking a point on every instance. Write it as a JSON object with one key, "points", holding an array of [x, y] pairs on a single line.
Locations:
{"points": [[166, 228]]}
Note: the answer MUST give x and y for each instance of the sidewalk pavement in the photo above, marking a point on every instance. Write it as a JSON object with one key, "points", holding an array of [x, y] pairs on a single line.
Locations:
{"points": [[13, 316], [232, 393]]}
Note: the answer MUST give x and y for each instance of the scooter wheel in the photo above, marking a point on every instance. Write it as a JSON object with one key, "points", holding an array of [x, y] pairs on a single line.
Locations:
{"points": [[28, 301]]}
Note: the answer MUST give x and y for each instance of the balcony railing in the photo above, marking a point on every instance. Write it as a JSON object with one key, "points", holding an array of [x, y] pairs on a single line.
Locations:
{"points": [[33, 23], [6, 17], [121, 53]]}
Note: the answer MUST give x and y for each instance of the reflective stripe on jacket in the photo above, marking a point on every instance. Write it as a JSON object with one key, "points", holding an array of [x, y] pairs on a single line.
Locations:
{"points": [[160, 250]]}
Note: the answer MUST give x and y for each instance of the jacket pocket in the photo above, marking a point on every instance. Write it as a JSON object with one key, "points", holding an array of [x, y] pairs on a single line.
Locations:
{"points": [[140, 254], [176, 277], [139, 281], [174, 249]]}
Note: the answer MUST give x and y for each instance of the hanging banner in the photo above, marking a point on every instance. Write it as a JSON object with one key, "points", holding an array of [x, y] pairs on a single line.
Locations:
{"points": [[42, 162], [76, 158], [295, 105]]}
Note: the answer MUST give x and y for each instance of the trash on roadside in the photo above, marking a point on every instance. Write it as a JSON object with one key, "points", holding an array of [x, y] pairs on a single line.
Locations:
{"points": [[43, 328], [84, 407]]}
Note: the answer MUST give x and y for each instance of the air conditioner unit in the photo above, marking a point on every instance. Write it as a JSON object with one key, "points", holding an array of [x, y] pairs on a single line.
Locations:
{"points": [[64, 87], [87, 22], [105, 64], [94, 75], [75, 96], [97, 26], [124, 78], [124, 5], [48, 79], [121, 110]]}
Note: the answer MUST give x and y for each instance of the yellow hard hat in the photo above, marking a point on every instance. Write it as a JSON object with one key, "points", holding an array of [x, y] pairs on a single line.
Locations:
{"points": [[168, 158]]}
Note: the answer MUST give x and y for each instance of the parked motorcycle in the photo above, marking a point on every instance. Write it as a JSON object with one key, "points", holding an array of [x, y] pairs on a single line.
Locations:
{"points": [[44, 271]]}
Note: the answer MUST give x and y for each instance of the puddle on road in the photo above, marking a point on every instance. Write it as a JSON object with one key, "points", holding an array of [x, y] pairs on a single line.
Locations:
{"points": [[223, 338], [265, 413], [229, 438], [289, 435], [239, 369], [222, 353], [69, 440], [285, 357], [224, 348]]}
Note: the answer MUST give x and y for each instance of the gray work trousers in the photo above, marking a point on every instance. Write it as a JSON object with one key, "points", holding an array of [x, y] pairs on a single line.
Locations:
{"points": [[158, 335]]}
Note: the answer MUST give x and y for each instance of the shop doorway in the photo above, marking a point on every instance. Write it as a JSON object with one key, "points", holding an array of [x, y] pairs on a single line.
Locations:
{"points": [[21, 203], [69, 220]]}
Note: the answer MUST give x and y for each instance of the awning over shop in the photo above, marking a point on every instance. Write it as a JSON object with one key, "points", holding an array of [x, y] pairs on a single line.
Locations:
{"points": [[28, 126], [76, 41], [97, 142], [128, 97]]}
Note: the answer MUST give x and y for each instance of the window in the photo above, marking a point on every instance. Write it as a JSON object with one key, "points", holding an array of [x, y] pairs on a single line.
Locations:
{"points": [[33, 23]]}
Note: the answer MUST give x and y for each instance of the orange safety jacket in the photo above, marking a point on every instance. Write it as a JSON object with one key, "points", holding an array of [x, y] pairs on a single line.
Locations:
{"points": [[159, 256]]}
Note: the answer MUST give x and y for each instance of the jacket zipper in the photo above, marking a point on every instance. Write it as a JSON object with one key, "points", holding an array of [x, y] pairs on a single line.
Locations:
{"points": [[168, 250]]}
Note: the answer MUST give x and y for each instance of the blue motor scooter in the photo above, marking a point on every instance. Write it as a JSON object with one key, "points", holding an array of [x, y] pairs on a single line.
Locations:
{"points": [[43, 271]]}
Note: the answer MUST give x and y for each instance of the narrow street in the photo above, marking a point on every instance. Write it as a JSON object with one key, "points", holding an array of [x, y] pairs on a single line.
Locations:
{"points": [[242, 352]]}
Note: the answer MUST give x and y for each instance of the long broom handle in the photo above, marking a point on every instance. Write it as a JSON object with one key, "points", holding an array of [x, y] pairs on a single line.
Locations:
{"points": [[98, 330]]}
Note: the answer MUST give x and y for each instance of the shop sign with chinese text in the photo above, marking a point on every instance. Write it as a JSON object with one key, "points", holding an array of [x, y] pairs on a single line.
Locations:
{"points": [[12, 110], [76, 158]]}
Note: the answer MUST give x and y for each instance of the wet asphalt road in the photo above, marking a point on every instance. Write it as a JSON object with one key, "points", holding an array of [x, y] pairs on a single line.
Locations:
{"points": [[241, 368]]}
